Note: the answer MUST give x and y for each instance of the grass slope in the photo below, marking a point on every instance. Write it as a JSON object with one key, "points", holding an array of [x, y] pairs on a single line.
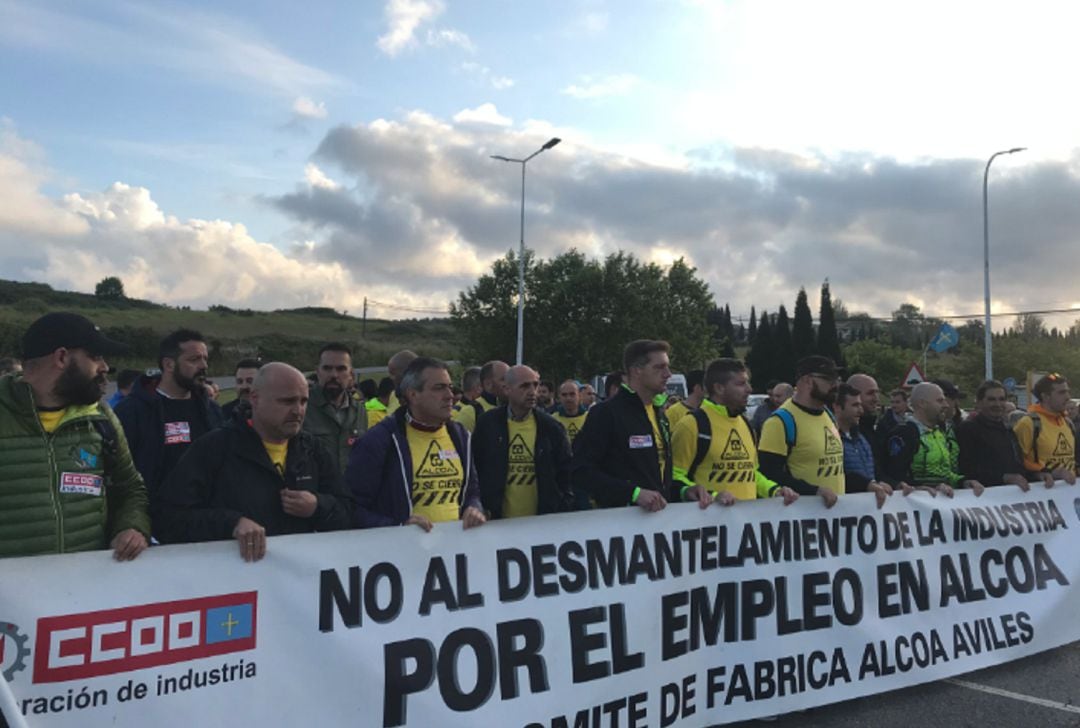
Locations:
{"points": [[293, 335]]}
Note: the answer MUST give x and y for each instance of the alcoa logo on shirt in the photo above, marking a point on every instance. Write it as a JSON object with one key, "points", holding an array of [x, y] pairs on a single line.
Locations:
{"points": [[109, 641]]}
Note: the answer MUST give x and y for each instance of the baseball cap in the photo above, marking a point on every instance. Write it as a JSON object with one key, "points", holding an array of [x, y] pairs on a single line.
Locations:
{"points": [[69, 331], [822, 365]]}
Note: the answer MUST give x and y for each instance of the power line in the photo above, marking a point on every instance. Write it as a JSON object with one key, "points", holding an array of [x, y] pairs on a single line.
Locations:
{"points": [[949, 317], [399, 307]]}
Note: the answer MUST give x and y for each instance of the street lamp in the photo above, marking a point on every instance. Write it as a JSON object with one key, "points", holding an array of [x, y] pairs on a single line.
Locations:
{"points": [[986, 262], [521, 251]]}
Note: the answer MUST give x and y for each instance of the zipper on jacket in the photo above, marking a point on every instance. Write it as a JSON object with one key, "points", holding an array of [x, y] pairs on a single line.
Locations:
{"points": [[50, 438], [53, 476]]}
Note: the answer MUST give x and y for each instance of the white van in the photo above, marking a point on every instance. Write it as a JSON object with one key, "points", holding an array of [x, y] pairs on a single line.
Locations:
{"points": [[676, 386]]}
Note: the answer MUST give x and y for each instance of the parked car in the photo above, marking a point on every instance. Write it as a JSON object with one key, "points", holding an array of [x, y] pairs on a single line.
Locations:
{"points": [[753, 403]]}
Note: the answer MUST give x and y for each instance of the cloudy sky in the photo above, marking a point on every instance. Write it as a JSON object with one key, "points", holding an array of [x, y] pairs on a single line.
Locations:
{"points": [[281, 154]]}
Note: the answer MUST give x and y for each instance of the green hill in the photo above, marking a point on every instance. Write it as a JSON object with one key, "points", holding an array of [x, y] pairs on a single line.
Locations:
{"points": [[292, 335]]}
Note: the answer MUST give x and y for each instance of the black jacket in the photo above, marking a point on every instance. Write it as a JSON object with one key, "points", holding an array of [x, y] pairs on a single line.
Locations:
{"points": [[142, 415], [228, 474], [551, 457], [606, 466], [988, 451]]}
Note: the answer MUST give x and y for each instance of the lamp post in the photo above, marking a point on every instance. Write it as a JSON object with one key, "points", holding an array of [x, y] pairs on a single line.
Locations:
{"points": [[989, 345], [521, 249]]}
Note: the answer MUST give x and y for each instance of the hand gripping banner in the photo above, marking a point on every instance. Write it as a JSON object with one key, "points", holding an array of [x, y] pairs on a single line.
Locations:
{"points": [[619, 617]]}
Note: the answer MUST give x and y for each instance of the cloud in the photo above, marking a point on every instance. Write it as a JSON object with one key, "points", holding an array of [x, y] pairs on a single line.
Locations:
{"points": [[74, 241], [308, 109], [412, 210], [482, 114], [595, 87], [449, 37], [426, 205], [403, 17], [317, 178], [499, 83], [23, 209]]}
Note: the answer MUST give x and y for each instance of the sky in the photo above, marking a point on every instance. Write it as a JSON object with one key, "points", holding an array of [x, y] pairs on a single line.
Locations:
{"points": [[281, 154]]}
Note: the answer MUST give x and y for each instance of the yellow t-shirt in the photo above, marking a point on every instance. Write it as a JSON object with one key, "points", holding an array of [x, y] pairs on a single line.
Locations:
{"points": [[277, 452], [520, 497], [438, 474], [731, 462], [675, 413], [573, 425], [818, 454], [467, 414], [1056, 447], [661, 454], [50, 419]]}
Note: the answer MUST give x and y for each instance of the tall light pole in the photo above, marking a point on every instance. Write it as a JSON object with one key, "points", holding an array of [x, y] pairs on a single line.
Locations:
{"points": [[521, 250], [989, 341]]}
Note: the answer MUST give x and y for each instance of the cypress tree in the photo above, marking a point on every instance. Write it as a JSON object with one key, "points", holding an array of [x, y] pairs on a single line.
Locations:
{"points": [[784, 359], [802, 334], [761, 355], [828, 343]]}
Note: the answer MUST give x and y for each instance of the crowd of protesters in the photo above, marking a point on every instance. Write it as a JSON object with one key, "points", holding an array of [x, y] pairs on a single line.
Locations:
{"points": [[161, 462]]}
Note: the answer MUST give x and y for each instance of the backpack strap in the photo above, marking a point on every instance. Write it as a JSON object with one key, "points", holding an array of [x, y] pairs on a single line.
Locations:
{"points": [[788, 421], [704, 440], [110, 447], [1036, 428]]}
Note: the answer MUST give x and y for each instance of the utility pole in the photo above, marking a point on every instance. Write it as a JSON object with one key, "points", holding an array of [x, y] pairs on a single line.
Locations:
{"points": [[363, 326]]}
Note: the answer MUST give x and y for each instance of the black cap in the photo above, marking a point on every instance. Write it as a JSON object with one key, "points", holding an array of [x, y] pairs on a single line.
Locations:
{"points": [[69, 331], [950, 390], [822, 365]]}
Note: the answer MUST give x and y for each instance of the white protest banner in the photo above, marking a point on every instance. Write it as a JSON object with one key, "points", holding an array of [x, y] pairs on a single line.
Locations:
{"points": [[685, 617]]}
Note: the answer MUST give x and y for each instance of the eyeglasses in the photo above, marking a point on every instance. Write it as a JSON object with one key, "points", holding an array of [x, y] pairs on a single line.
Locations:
{"points": [[1055, 377], [826, 378]]}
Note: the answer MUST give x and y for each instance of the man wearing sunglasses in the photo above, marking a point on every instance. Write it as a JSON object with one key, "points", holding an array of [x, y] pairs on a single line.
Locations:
{"points": [[800, 444]]}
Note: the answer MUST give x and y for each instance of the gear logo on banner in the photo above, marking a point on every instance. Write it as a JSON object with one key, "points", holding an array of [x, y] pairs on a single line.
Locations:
{"points": [[13, 650]]}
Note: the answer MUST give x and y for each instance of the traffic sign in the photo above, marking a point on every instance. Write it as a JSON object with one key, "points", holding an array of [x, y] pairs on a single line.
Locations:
{"points": [[914, 376]]}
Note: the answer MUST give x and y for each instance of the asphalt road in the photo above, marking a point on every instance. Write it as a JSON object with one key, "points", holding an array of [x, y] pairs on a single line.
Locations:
{"points": [[1042, 691]]}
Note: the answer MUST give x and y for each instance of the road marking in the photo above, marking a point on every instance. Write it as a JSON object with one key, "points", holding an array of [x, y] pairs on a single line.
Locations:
{"points": [[1015, 696]]}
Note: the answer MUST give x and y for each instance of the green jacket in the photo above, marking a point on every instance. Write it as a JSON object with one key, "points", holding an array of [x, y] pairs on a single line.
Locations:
{"points": [[41, 511], [336, 435], [920, 455]]}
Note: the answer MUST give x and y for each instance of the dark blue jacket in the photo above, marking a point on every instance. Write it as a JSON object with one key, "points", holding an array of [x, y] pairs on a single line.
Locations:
{"points": [[143, 419], [859, 468], [379, 473]]}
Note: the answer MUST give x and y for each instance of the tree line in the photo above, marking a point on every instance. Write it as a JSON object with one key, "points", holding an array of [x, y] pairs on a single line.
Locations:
{"points": [[580, 312]]}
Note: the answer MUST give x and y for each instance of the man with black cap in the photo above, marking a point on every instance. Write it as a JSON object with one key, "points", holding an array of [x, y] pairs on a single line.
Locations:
{"points": [[800, 444], [67, 481]]}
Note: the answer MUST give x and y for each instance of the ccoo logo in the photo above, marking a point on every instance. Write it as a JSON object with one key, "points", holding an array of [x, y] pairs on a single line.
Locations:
{"points": [[91, 644]]}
